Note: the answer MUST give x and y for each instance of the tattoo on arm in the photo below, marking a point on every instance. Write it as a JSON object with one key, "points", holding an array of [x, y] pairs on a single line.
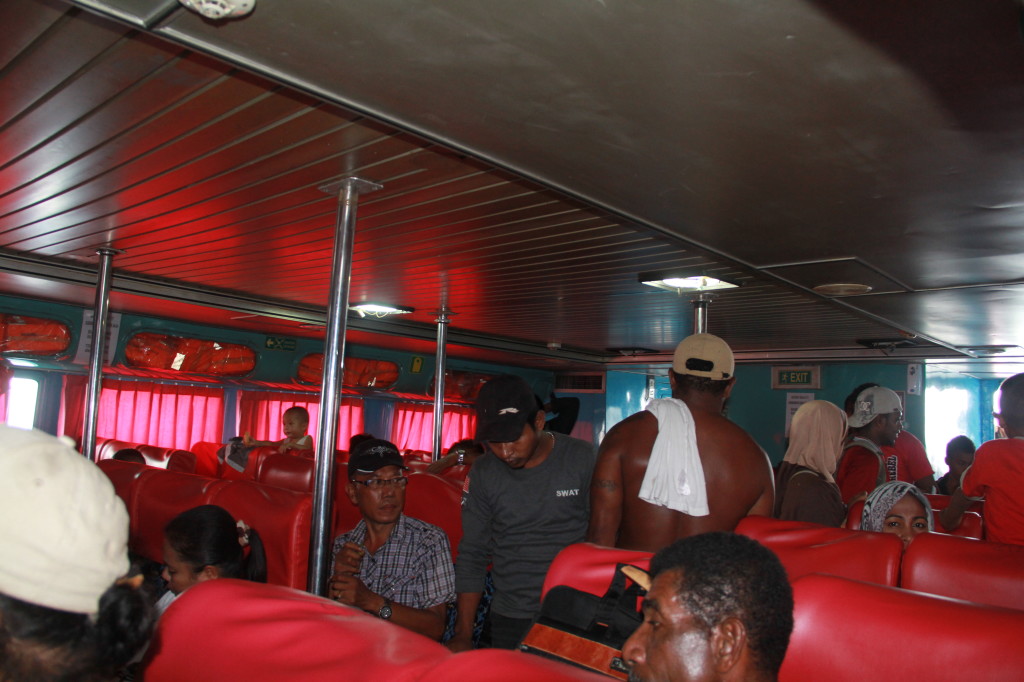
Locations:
{"points": [[605, 484]]}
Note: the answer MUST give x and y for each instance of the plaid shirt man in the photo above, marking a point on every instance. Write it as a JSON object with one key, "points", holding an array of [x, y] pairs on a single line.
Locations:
{"points": [[413, 568]]}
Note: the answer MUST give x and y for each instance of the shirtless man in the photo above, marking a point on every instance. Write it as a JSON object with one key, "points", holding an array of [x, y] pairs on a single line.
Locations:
{"points": [[737, 472]]}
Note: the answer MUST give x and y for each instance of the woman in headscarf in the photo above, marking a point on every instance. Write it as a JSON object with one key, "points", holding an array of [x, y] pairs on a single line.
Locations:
{"points": [[899, 508], [805, 489]]}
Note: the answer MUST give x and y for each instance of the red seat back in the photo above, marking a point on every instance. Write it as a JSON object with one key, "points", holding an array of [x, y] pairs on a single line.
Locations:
{"points": [[805, 548], [108, 447], [457, 473], [237, 630], [159, 497], [497, 665], [849, 631], [182, 461], [591, 567], [283, 520], [155, 456], [435, 500], [983, 572], [287, 471], [123, 475], [206, 458]]}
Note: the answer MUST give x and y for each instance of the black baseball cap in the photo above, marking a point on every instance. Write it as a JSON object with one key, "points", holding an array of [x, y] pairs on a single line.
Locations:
{"points": [[374, 454], [503, 406]]}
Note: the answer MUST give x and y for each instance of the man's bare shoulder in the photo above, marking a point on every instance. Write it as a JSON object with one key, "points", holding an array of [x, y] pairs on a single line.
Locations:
{"points": [[630, 428]]}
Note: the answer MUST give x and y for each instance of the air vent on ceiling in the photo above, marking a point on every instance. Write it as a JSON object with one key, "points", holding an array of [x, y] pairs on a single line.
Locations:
{"points": [[890, 343], [579, 383]]}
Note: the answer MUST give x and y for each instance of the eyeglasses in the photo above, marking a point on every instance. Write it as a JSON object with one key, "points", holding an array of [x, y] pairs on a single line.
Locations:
{"points": [[382, 483]]}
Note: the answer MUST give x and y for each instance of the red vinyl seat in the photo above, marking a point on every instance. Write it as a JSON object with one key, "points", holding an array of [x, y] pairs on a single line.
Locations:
{"points": [[206, 458], [850, 631], [287, 471], [159, 497], [591, 567], [805, 548], [283, 520], [108, 447], [182, 461], [984, 572], [236, 630], [123, 475], [155, 456], [435, 500]]}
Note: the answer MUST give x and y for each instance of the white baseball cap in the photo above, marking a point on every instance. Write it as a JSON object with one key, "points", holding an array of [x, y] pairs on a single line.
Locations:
{"points": [[63, 529]]}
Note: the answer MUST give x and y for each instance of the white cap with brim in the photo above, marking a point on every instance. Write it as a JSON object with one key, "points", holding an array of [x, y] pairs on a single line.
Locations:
{"points": [[872, 402], [63, 529], [704, 355]]}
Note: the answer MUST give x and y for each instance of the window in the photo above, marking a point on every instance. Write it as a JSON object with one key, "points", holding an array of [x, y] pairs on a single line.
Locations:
{"points": [[21, 405]]}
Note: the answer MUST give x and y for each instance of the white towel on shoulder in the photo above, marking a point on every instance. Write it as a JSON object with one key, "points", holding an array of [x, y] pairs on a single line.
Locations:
{"points": [[675, 477]]}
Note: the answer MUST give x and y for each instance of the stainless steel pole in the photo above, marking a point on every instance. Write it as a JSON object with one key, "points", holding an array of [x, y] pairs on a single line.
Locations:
{"points": [[347, 191], [100, 329], [443, 318], [700, 313]]}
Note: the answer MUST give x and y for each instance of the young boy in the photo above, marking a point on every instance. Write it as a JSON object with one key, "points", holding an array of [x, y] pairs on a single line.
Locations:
{"points": [[295, 421], [959, 456], [997, 474]]}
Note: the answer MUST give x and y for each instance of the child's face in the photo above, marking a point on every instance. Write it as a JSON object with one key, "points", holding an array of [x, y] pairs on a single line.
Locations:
{"points": [[294, 426], [958, 463]]}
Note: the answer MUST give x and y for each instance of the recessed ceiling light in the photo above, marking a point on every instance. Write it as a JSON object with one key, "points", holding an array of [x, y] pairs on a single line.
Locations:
{"points": [[842, 289], [678, 283], [379, 309]]}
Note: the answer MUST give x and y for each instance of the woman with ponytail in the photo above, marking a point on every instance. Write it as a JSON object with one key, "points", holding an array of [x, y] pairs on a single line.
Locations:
{"points": [[66, 610], [205, 543]]}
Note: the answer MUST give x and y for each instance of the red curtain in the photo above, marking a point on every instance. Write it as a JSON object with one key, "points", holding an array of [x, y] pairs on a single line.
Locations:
{"points": [[413, 426], [260, 412], [71, 421], [158, 414]]}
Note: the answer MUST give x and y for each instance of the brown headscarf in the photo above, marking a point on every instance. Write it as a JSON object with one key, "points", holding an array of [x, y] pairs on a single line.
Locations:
{"points": [[816, 437]]}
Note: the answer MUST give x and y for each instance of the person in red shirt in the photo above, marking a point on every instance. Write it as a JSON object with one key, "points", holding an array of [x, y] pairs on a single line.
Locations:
{"points": [[997, 474], [876, 422]]}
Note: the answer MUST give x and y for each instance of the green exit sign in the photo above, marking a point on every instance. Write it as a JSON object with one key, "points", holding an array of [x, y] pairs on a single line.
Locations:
{"points": [[279, 343], [796, 377]]}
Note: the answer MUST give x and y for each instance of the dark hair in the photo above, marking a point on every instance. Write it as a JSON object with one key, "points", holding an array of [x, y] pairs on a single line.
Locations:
{"points": [[1011, 402], [960, 444], [359, 438], [40, 643], [723, 575], [689, 382], [208, 536], [852, 398], [297, 410], [129, 455]]}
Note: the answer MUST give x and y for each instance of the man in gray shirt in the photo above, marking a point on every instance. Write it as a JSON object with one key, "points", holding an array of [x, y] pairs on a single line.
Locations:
{"points": [[524, 500]]}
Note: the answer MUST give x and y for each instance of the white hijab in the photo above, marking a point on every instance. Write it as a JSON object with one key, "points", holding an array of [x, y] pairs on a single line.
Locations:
{"points": [[816, 437]]}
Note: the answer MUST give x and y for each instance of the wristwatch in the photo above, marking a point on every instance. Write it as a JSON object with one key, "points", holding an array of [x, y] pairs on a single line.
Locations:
{"points": [[385, 611], [462, 456]]}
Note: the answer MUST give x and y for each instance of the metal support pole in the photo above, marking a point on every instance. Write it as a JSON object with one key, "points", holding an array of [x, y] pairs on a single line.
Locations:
{"points": [[700, 313], [443, 318], [347, 191], [100, 328]]}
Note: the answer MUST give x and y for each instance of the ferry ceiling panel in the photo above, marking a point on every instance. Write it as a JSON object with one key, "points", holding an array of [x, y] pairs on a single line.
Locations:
{"points": [[535, 158]]}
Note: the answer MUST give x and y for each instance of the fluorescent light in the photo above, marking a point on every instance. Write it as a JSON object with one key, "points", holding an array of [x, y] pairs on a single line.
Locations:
{"points": [[685, 283], [379, 309], [18, 362]]}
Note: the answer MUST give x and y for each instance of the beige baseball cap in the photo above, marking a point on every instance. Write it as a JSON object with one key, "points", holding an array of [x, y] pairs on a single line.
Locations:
{"points": [[704, 355], [63, 529]]}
